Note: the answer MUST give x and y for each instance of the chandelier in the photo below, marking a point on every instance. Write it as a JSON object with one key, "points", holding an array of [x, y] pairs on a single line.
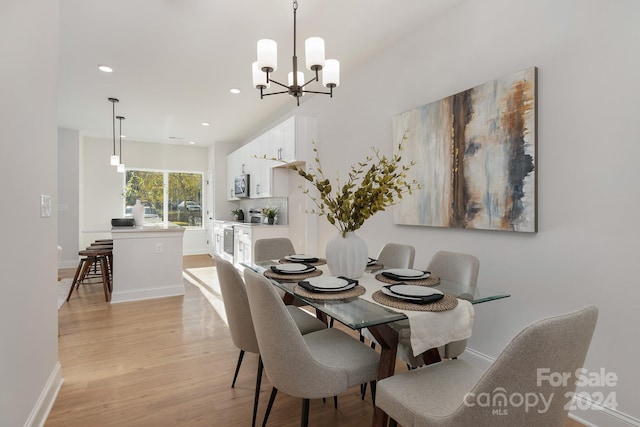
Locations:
{"points": [[267, 63]]}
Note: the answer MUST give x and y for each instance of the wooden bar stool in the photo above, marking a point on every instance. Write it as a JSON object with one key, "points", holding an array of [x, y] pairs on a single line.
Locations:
{"points": [[99, 256]]}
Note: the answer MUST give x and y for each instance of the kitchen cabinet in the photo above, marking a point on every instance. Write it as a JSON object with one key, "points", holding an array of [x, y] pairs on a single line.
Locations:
{"points": [[148, 261], [245, 237], [287, 142], [218, 238], [242, 245], [233, 170], [291, 138]]}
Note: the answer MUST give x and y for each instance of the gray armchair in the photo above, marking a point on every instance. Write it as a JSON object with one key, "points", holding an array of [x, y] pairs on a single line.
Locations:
{"points": [[450, 393], [236, 306], [316, 365], [272, 248], [394, 255]]}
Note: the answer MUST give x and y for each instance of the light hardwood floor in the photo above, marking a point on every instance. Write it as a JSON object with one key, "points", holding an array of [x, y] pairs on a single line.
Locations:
{"points": [[169, 362]]}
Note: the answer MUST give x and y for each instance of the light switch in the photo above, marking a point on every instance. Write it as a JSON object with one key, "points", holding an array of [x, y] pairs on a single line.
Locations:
{"points": [[45, 206]]}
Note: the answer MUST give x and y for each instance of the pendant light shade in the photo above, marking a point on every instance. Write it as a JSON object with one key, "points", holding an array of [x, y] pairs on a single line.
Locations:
{"points": [[115, 159], [120, 163], [314, 53]]}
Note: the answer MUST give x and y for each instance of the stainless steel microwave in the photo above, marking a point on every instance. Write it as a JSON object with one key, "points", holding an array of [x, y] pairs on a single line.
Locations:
{"points": [[241, 187]]}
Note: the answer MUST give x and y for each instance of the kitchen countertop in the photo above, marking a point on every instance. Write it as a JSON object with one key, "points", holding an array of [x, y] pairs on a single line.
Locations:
{"points": [[152, 226]]}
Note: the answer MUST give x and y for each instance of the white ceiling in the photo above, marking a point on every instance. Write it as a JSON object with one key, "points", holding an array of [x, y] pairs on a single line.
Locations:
{"points": [[174, 61]]}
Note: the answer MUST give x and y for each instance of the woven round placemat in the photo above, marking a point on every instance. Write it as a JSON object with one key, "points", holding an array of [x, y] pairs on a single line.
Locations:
{"points": [[291, 277], [449, 302], [375, 267], [429, 281], [321, 261], [356, 291]]}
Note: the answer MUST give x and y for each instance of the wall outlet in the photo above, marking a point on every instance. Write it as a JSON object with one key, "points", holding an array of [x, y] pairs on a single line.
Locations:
{"points": [[159, 248]]}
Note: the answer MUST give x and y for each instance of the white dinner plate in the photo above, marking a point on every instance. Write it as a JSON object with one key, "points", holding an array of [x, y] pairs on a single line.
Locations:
{"points": [[391, 294], [412, 291], [327, 282], [299, 257], [294, 268], [405, 272]]}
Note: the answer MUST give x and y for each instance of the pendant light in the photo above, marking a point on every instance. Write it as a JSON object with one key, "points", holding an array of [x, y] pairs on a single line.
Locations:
{"points": [[115, 159], [120, 164]]}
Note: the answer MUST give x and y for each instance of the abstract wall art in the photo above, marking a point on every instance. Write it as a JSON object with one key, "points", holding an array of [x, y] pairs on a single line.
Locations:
{"points": [[475, 155]]}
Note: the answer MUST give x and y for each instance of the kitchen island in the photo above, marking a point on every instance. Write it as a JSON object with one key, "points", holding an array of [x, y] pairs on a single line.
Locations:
{"points": [[147, 262]]}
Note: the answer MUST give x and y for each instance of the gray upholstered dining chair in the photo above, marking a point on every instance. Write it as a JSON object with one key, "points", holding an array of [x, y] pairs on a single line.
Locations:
{"points": [[454, 393], [392, 255], [275, 248], [395, 255], [236, 306], [456, 267], [272, 248], [316, 365]]}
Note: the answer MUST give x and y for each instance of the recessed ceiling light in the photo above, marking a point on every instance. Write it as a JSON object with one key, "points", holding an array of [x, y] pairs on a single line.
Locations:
{"points": [[123, 136], [234, 90], [192, 142], [105, 68], [206, 124]]}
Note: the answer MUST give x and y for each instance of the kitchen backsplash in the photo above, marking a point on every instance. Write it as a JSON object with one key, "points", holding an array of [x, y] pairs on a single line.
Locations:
{"points": [[272, 202]]}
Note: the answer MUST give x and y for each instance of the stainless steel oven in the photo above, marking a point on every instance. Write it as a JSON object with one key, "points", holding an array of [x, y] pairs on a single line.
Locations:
{"points": [[227, 246]]}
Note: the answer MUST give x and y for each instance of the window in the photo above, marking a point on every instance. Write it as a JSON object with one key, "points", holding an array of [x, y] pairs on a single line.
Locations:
{"points": [[176, 196]]}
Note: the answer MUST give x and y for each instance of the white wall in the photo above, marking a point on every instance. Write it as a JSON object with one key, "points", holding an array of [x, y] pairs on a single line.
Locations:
{"points": [[102, 185], [68, 196], [585, 251], [29, 369]]}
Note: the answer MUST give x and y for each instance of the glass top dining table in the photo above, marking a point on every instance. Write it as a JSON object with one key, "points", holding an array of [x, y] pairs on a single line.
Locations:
{"points": [[357, 313]]}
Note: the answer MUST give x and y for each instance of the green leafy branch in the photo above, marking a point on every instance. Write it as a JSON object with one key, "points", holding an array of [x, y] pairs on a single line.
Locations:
{"points": [[371, 186]]}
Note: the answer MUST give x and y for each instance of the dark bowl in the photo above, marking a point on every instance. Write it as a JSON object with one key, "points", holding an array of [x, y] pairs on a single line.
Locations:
{"points": [[122, 222]]}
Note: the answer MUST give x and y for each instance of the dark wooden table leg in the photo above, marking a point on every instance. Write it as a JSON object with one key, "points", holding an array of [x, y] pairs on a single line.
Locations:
{"points": [[388, 340]]}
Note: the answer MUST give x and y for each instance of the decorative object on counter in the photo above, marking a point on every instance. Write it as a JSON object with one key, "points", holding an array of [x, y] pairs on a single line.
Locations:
{"points": [[270, 213], [238, 214], [315, 61], [138, 213], [371, 186], [122, 222]]}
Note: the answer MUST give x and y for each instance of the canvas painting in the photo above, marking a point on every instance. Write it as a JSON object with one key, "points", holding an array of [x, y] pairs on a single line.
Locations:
{"points": [[475, 155]]}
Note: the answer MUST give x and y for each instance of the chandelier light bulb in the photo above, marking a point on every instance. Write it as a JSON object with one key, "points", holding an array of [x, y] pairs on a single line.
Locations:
{"points": [[267, 55], [259, 77], [300, 78], [331, 73], [314, 53]]}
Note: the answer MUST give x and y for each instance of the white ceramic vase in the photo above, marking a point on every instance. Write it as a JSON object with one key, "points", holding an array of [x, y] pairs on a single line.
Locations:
{"points": [[347, 256], [138, 213]]}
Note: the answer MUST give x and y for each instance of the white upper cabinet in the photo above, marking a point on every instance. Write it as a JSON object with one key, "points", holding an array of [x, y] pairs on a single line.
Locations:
{"points": [[287, 142], [291, 138]]}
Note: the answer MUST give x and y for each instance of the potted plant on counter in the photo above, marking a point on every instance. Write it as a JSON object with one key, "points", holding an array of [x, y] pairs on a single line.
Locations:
{"points": [[270, 213], [238, 214]]}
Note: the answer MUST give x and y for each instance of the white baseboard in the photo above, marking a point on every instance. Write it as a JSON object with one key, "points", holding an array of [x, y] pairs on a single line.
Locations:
{"points": [[590, 413], [43, 406], [147, 293]]}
